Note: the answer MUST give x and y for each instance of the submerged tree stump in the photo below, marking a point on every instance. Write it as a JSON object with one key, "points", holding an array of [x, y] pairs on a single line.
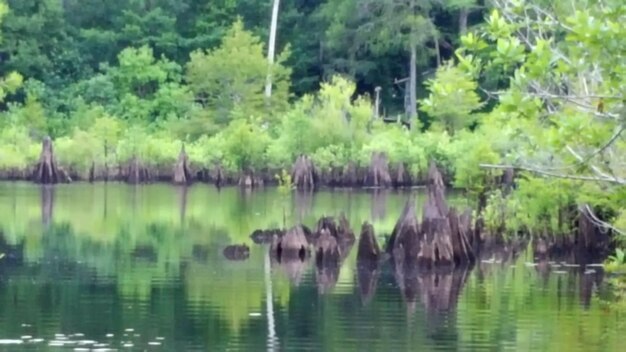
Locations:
{"points": [[182, 175], [303, 173], [378, 172], [442, 239], [293, 244], [236, 252], [47, 170], [326, 248]]}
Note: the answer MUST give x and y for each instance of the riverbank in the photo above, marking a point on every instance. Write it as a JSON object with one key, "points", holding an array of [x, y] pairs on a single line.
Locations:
{"points": [[302, 174]]}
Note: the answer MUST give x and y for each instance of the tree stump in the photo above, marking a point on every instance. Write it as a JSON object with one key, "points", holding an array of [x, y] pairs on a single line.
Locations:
{"points": [[588, 235], [136, 172], [236, 252], [303, 173], [401, 178], [368, 249], [326, 249], [182, 175], [47, 171], [442, 239], [378, 172], [293, 244]]}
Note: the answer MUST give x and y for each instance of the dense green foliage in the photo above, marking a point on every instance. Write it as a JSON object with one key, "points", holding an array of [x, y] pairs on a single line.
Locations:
{"points": [[532, 86]]}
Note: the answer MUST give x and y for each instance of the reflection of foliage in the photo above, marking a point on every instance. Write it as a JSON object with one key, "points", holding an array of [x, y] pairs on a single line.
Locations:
{"points": [[136, 235], [515, 306]]}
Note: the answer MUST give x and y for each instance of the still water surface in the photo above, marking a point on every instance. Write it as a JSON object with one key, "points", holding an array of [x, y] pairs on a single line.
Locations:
{"points": [[115, 267]]}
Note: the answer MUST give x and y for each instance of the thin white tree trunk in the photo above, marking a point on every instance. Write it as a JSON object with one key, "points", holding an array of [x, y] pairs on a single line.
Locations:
{"points": [[413, 74], [413, 84], [271, 48]]}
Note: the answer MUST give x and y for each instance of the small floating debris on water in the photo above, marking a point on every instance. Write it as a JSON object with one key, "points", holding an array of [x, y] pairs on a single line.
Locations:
{"points": [[26, 325], [36, 340], [560, 272], [254, 314], [86, 342], [590, 271], [596, 265], [154, 343], [110, 335], [26, 337], [81, 349], [55, 343], [79, 335], [129, 330], [127, 345], [529, 264], [11, 342]]}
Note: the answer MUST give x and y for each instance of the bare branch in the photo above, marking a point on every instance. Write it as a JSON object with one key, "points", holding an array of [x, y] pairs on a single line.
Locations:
{"points": [[551, 174], [601, 224]]}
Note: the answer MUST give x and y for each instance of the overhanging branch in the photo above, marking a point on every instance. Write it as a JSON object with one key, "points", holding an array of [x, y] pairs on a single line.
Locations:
{"points": [[552, 174]]}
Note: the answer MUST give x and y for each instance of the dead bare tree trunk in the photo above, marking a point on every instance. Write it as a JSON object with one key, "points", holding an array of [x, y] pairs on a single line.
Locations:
{"points": [[271, 48], [413, 84]]}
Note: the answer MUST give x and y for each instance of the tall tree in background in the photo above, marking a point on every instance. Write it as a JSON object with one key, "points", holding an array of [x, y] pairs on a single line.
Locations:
{"points": [[384, 26], [271, 47]]}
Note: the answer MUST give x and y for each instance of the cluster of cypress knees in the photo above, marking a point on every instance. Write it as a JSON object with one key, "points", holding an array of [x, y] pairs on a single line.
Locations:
{"points": [[442, 238]]}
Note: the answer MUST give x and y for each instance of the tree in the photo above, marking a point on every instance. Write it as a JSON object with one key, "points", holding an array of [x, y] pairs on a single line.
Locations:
{"points": [[234, 75], [385, 26], [563, 113], [271, 47], [452, 98], [13, 80]]}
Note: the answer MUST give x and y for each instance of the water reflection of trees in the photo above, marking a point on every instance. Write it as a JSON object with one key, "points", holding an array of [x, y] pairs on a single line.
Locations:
{"points": [[148, 258]]}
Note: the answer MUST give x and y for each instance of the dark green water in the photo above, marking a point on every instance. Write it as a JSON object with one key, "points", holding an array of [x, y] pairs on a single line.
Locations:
{"points": [[95, 267]]}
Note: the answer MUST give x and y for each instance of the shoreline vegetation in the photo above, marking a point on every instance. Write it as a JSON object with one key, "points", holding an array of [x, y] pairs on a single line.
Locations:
{"points": [[522, 106]]}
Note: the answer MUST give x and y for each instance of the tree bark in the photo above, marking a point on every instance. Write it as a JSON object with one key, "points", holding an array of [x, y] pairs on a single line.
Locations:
{"points": [[464, 13], [413, 73], [413, 84], [271, 48]]}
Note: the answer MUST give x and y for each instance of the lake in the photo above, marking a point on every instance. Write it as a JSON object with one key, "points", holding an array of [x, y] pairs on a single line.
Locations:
{"points": [[117, 267]]}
